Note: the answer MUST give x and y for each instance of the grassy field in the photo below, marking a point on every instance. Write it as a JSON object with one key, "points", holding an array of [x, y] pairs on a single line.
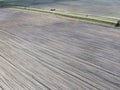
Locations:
{"points": [[97, 7], [73, 9]]}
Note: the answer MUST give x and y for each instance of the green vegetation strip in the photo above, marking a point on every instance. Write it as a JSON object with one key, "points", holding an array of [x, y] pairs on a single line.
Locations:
{"points": [[90, 18]]}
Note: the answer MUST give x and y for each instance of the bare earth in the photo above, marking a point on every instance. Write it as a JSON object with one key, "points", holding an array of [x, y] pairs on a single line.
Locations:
{"points": [[45, 52]]}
